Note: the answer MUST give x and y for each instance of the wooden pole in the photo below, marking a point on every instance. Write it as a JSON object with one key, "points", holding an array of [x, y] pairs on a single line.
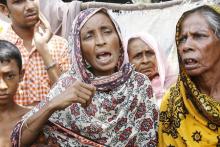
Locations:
{"points": [[133, 7]]}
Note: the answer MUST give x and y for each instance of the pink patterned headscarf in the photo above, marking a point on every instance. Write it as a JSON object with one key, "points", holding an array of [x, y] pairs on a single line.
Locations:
{"points": [[103, 83], [159, 83]]}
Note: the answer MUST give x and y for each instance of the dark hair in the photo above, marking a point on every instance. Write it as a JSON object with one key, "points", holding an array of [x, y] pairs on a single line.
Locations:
{"points": [[9, 51], [3, 2]]}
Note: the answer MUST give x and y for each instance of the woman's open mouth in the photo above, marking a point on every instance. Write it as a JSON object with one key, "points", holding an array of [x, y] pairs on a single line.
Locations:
{"points": [[190, 63], [104, 57]]}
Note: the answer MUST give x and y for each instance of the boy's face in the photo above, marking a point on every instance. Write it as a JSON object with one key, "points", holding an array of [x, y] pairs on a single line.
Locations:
{"points": [[23, 13], [9, 80]]}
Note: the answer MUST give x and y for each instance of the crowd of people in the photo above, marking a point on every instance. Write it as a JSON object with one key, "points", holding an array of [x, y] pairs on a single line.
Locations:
{"points": [[100, 89]]}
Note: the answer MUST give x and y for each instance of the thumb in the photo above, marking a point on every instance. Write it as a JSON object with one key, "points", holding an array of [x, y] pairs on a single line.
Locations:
{"points": [[36, 27]]}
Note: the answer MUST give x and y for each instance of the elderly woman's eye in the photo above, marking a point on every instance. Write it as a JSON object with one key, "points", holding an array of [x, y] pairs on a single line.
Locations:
{"points": [[107, 31], [17, 1], [87, 36], [182, 39], [199, 36], [138, 56], [151, 53]]}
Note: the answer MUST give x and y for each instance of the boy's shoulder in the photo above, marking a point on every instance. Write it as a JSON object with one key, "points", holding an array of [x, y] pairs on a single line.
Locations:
{"points": [[21, 111]]}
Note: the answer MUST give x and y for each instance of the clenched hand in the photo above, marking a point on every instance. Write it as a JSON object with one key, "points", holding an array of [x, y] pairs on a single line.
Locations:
{"points": [[78, 92]]}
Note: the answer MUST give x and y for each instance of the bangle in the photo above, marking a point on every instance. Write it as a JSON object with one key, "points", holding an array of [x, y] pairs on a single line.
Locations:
{"points": [[50, 66]]}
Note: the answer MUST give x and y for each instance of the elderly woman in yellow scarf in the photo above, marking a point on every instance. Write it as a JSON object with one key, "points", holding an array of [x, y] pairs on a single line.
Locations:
{"points": [[190, 111]]}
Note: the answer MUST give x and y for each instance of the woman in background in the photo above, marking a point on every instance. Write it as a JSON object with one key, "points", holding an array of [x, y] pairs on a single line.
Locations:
{"points": [[147, 58]]}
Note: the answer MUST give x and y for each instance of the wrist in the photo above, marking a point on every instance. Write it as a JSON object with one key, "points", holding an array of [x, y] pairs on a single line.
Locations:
{"points": [[43, 49], [48, 60], [49, 66], [52, 106]]}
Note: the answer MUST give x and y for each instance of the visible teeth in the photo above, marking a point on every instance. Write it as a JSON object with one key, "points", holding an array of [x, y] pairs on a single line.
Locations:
{"points": [[103, 55], [189, 61]]}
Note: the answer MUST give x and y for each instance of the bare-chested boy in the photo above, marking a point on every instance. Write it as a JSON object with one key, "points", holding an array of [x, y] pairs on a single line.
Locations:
{"points": [[10, 75]]}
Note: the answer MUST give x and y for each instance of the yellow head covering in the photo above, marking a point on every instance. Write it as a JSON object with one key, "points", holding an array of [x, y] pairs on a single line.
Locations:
{"points": [[187, 116]]}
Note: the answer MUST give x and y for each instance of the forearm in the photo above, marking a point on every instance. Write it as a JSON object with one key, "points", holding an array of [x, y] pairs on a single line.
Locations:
{"points": [[77, 92], [53, 70], [34, 125]]}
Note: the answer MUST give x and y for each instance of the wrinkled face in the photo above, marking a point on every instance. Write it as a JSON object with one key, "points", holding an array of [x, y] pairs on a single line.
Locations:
{"points": [[100, 44], [199, 47], [9, 79], [23, 13], [143, 57]]}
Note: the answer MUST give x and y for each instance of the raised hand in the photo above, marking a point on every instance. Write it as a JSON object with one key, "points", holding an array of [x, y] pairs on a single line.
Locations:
{"points": [[42, 34], [78, 92]]}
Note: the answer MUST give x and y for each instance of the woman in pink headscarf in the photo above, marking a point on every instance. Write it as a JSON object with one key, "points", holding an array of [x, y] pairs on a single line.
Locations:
{"points": [[145, 54]]}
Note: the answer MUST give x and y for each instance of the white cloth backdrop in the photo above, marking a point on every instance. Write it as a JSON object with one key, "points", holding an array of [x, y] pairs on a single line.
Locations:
{"points": [[158, 22], [161, 23]]}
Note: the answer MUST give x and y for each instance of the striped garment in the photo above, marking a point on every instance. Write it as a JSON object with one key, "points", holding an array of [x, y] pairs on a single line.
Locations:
{"points": [[36, 83]]}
